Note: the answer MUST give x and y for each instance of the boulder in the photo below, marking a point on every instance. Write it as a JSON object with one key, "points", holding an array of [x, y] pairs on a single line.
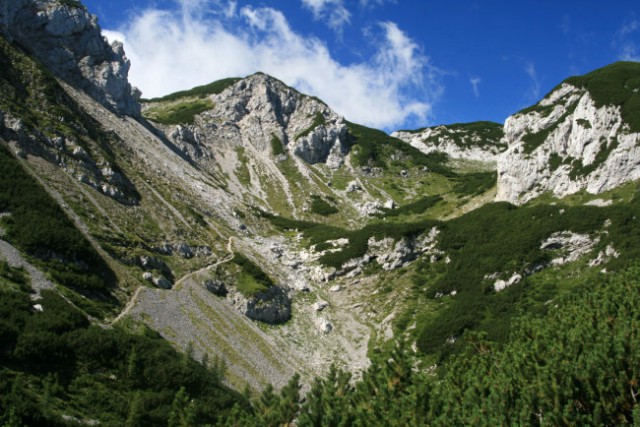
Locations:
{"points": [[323, 325], [162, 282], [216, 287], [272, 306], [320, 305]]}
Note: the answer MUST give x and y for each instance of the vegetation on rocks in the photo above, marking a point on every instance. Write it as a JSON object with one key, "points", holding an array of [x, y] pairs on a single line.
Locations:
{"points": [[558, 346], [198, 91], [180, 112], [576, 366], [56, 366], [252, 279], [39, 227], [322, 207], [375, 147], [482, 133], [617, 84]]}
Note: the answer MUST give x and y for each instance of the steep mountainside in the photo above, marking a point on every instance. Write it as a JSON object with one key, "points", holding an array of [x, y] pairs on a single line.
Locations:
{"points": [[583, 136]]}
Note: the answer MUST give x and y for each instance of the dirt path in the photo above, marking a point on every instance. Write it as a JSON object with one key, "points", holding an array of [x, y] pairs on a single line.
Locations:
{"points": [[130, 304], [134, 299]]}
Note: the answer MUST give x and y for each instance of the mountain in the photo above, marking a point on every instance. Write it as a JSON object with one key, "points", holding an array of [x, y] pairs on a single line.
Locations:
{"points": [[582, 136], [160, 256]]}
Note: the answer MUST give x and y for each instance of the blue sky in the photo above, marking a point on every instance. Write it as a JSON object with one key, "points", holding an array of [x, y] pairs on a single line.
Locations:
{"points": [[391, 64]]}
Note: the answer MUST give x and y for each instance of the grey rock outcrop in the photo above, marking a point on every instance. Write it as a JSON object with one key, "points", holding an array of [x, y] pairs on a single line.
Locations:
{"points": [[565, 144], [480, 141], [272, 306], [68, 41], [568, 246], [259, 108], [216, 287]]}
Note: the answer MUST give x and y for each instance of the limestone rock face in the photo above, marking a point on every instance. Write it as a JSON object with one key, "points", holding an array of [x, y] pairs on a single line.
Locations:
{"points": [[68, 41], [480, 141], [565, 144], [260, 109]]}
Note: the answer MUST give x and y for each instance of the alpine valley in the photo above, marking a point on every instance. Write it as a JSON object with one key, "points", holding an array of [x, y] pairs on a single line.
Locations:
{"points": [[240, 254]]}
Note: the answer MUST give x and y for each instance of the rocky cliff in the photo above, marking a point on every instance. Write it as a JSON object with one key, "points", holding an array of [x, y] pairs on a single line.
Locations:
{"points": [[584, 135], [479, 141], [67, 40], [271, 117]]}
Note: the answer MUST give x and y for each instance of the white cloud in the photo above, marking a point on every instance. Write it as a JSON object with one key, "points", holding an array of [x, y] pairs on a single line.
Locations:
{"points": [[332, 11], [209, 40], [534, 83], [475, 81], [372, 3], [627, 49], [629, 52]]}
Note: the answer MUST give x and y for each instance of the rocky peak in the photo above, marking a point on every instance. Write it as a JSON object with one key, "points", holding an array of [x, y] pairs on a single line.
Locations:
{"points": [[66, 38], [263, 108], [480, 141], [584, 135]]}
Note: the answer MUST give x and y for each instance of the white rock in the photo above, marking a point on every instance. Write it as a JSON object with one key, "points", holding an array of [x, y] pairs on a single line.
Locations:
{"points": [[446, 140], [599, 202], [571, 246], [524, 176], [320, 305], [324, 325], [336, 288], [500, 285]]}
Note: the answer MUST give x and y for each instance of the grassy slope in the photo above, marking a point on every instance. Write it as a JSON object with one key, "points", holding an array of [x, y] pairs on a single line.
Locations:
{"points": [[182, 107]]}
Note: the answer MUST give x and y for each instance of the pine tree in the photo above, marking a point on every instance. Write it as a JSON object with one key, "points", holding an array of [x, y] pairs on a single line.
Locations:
{"points": [[135, 369], [136, 412], [182, 410]]}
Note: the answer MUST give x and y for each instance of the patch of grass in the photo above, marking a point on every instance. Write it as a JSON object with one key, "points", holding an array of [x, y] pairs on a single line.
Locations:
{"points": [[178, 113], [276, 145], [376, 148], [318, 120], [584, 123], [418, 207], [198, 91], [39, 227], [481, 134], [242, 169], [535, 140], [578, 169], [473, 184], [253, 279], [543, 110], [322, 207], [14, 276], [555, 161]]}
